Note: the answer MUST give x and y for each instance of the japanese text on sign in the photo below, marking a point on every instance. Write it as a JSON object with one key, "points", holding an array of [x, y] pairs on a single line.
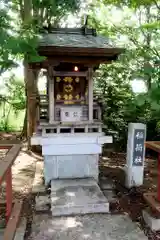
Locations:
{"points": [[138, 150]]}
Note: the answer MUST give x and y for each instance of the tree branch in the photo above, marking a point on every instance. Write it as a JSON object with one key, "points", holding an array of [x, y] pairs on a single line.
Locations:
{"points": [[158, 6]]}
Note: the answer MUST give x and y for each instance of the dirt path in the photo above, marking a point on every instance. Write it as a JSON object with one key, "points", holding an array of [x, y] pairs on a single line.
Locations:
{"points": [[23, 172]]}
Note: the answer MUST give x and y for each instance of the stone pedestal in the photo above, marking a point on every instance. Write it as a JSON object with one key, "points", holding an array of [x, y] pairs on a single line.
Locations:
{"points": [[72, 156]]}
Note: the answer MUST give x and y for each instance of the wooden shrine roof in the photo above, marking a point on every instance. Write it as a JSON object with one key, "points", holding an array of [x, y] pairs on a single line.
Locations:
{"points": [[77, 41], [74, 39]]}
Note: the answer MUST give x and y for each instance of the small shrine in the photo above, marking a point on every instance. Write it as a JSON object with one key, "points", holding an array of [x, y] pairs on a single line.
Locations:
{"points": [[69, 125]]}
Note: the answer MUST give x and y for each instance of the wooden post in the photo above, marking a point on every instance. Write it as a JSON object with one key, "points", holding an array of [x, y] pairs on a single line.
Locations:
{"points": [[51, 95], [38, 113], [8, 193], [158, 187], [90, 93]]}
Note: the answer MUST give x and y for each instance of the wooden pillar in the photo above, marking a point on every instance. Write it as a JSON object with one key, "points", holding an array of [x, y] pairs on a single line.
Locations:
{"points": [[51, 95], [90, 93]]}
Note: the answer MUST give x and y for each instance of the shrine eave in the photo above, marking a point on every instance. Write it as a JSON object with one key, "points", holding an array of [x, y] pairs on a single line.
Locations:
{"points": [[76, 51]]}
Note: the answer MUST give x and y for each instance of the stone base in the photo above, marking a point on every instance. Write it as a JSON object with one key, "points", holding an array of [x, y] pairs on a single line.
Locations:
{"points": [[70, 166], [71, 197], [151, 221]]}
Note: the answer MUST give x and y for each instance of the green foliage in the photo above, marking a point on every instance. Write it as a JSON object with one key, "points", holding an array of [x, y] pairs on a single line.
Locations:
{"points": [[15, 93], [19, 40], [51, 11], [130, 3], [115, 96], [13, 102], [6, 41], [138, 32]]}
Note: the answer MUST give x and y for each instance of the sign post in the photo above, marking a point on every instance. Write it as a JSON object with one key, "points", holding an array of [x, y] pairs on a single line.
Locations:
{"points": [[135, 154]]}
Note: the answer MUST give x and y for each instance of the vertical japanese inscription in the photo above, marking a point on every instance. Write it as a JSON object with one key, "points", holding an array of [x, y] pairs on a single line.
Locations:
{"points": [[138, 147]]}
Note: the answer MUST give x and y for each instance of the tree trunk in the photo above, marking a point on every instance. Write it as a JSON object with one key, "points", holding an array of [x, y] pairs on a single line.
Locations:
{"points": [[31, 78], [30, 83], [24, 130]]}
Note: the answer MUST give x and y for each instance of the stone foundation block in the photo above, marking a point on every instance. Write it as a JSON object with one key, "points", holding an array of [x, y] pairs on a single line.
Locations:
{"points": [[70, 167], [151, 221]]}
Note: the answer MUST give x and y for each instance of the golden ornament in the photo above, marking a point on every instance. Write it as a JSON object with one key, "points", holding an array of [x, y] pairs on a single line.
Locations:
{"points": [[58, 79], [70, 97], [77, 97], [68, 79], [66, 97], [58, 97], [68, 88], [77, 80]]}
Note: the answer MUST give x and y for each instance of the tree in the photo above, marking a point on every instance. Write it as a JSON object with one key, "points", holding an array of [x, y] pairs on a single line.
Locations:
{"points": [[140, 36], [138, 31], [32, 16]]}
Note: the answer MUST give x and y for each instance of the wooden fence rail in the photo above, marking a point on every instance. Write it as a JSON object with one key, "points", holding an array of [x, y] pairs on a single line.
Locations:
{"points": [[6, 175]]}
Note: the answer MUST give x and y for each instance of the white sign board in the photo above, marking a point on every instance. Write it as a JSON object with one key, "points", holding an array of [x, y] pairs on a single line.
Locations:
{"points": [[71, 114]]}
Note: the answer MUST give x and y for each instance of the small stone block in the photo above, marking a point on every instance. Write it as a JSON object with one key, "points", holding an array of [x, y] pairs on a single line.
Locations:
{"points": [[110, 195], [107, 185], [151, 221], [42, 203]]}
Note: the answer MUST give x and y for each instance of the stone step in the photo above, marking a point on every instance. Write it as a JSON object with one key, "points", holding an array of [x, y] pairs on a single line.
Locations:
{"points": [[77, 196], [86, 227]]}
